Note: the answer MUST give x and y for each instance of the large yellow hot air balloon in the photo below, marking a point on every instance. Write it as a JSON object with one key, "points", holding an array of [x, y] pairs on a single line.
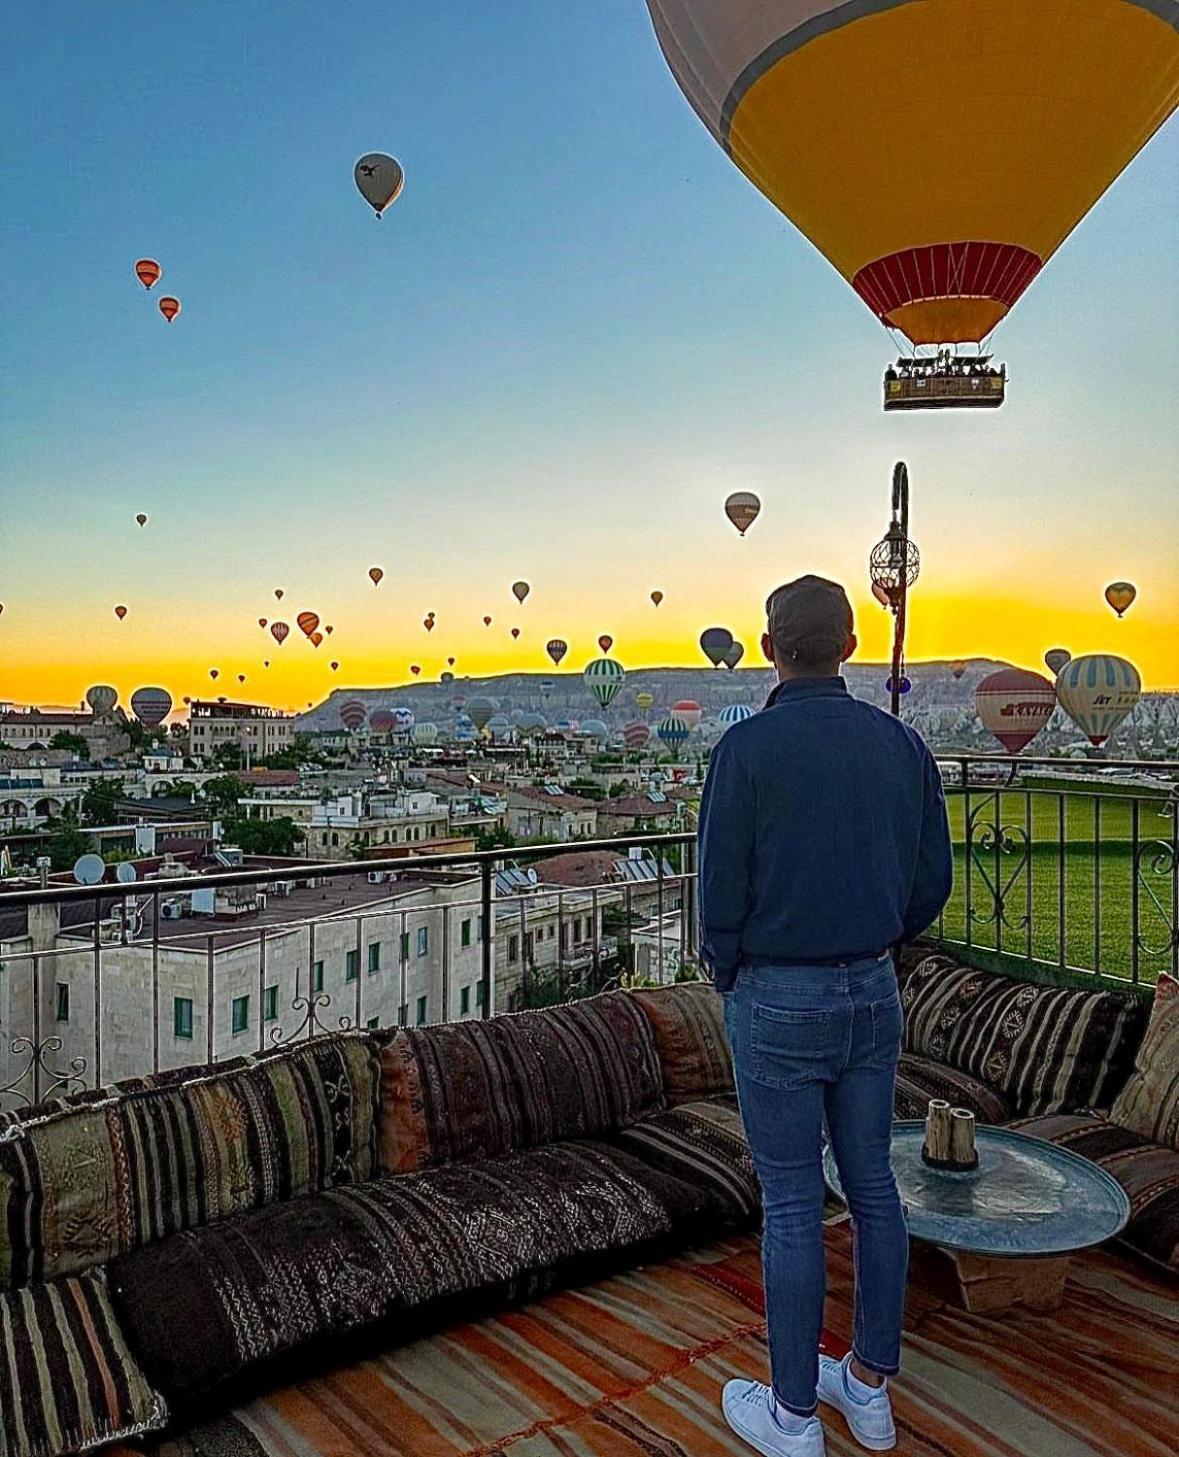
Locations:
{"points": [[936, 152]]}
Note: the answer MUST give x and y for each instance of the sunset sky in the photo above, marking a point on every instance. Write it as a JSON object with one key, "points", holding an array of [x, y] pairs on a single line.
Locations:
{"points": [[575, 333]]}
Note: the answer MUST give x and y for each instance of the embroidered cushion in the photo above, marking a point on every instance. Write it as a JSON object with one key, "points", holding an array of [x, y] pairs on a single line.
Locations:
{"points": [[68, 1380], [83, 1183], [919, 1079], [703, 1144], [1149, 1103], [689, 1026], [480, 1089]]}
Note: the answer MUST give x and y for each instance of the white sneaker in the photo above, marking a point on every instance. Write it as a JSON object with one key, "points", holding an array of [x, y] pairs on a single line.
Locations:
{"points": [[749, 1409], [870, 1421]]}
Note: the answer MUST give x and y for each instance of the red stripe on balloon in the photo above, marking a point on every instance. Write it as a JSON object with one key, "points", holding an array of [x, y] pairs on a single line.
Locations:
{"points": [[999, 271]]}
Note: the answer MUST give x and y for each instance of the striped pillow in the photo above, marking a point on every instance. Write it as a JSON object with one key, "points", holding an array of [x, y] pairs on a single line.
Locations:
{"points": [[82, 1184], [68, 1380], [689, 1028], [1149, 1103]]}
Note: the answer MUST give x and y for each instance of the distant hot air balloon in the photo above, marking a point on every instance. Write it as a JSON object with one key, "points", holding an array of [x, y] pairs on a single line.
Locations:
{"points": [[278, 593], [644, 700], [1120, 595], [214, 673], [1097, 691], [279, 632], [403, 720], [446, 677], [380, 179], [515, 633], [148, 271], [688, 711], [120, 612], [734, 713], [958, 667], [450, 662], [657, 597], [1014, 705], [307, 622], [715, 642], [428, 623], [636, 735], [169, 307], [352, 714], [605, 642], [520, 590], [938, 239], [328, 628], [480, 711], [906, 684], [261, 622], [334, 666], [375, 574], [151, 706], [556, 648], [380, 721], [315, 639], [734, 655], [241, 677], [141, 517], [742, 508], [415, 668], [603, 677], [424, 734], [1056, 658], [102, 698], [673, 732], [266, 662], [487, 622]]}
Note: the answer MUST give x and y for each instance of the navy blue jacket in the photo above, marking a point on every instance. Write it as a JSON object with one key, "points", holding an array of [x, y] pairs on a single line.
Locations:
{"points": [[823, 833]]}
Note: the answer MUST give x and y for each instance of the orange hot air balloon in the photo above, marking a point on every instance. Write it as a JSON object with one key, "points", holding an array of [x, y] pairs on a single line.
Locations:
{"points": [[120, 612], [328, 628], [278, 593], [428, 623], [375, 574], [1120, 595], [315, 639], [334, 666], [938, 232], [605, 642], [261, 622], [214, 673], [148, 271], [141, 517], [307, 622], [415, 668], [241, 677], [169, 307], [515, 632], [279, 631], [656, 597], [487, 622]]}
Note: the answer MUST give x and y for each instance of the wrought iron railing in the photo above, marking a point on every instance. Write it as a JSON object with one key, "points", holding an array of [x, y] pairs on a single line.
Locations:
{"points": [[1067, 878]]}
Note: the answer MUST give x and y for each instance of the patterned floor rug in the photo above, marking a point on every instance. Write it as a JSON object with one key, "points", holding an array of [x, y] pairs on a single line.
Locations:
{"points": [[633, 1366]]}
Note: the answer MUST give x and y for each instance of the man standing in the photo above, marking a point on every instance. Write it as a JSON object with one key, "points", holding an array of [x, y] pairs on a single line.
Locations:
{"points": [[823, 843]]}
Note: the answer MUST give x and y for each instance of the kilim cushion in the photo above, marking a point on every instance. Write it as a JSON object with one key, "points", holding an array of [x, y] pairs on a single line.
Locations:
{"points": [[473, 1090], [704, 1144], [689, 1026], [68, 1381], [82, 1184], [1149, 1173], [1149, 1103], [1047, 1049], [209, 1303], [919, 1079]]}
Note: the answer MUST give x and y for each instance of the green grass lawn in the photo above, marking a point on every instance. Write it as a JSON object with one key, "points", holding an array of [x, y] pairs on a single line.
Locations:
{"points": [[1066, 877]]}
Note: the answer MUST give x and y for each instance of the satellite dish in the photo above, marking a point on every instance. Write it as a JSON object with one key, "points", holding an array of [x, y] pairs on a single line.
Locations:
{"points": [[89, 869], [125, 872]]}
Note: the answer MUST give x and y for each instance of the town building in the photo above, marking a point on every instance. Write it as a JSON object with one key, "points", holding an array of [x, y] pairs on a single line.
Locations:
{"points": [[257, 731], [35, 728], [548, 812]]}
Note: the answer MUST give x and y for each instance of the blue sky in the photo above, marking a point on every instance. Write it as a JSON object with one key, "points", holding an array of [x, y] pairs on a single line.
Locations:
{"points": [[578, 329]]}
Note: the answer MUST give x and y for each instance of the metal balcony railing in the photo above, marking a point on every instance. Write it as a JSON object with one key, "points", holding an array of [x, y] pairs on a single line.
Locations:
{"points": [[1068, 877]]}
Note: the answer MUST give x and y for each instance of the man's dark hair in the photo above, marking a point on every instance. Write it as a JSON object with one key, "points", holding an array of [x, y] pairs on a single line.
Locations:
{"points": [[809, 623]]}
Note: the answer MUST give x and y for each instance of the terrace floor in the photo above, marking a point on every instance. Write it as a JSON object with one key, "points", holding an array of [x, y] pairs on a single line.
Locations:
{"points": [[633, 1366]]}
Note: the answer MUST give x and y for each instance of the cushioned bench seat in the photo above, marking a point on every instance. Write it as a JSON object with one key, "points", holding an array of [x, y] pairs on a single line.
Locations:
{"points": [[920, 1078]]}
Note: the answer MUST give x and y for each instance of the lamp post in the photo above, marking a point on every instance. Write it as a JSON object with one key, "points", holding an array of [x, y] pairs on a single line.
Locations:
{"points": [[894, 565]]}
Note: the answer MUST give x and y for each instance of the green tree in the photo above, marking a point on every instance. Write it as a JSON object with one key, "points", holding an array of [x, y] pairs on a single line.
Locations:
{"points": [[75, 744], [265, 837], [66, 841], [497, 838], [228, 756], [220, 795], [100, 800]]}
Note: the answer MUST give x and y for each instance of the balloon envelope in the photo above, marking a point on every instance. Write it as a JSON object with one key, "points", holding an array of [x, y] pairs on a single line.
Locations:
{"points": [[938, 233], [520, 590], [307, 622], [120, 612], [605, 642], [656, 597], [148, 271], [556, 648], [375, 575], [169, 307], [636, 735], [151, 705], [742, 508], [352, 714], [603, 677], [734, 713], [1097, 692], [1120, 595], [1055, 658], [688, 711], [715, 642], [1014, 705], [733, 656], [279, 632], [102, 698], [480, 710], [380, 179], [958, 667], [673, 730], [141, 517]]}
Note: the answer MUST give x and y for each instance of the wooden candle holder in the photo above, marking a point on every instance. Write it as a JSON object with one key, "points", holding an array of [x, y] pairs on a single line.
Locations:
{"points": [[949, 1138]]}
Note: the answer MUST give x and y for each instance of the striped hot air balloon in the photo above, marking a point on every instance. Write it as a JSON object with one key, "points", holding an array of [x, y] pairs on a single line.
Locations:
{"points": [[353, 714], [673, 731], [936, 152], [151, 705], [1014, 705], [636, 735], [603, 677], [380, 721], [689, 710], [734, 713], [1097, 692]]}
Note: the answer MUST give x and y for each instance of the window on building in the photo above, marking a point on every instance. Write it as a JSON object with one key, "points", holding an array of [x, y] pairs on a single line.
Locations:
{"points": [[421, 1012], [464, 1001], [465, 933], [335, 838], [513, 948], [270, 1004], [374, 1024], [63, 1001], [182, 1018], [478, 993], [528, 940], [317, 976], [352, 965], [374, 958], [405, 945], [423, 940], [241, 1014], [552, 930]]}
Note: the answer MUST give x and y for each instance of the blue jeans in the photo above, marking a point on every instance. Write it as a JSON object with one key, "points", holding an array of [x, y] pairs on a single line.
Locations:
{"points": [[810, 1041]]}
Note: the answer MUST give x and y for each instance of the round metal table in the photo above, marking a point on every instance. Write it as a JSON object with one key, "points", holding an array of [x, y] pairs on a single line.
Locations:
{"points": [[1026, 1199]]}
